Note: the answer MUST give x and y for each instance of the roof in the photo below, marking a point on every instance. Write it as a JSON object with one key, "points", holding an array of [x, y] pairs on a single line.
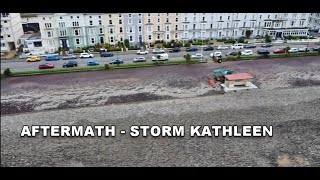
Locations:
{"points": [[240, 76]]}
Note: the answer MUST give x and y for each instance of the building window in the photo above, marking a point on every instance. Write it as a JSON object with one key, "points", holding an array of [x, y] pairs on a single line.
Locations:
{"points": [[292, 23], [158, 37], [100, 30], [168, 28], [158, 20], [47, 25], [71, 17], [176, 27], [176, 35], [194, 26], [129, 15], [60, 17], [49, 34], [90, 22], [245, 16], [43, 18], [203, 18], [130, 21], [93, 41], [186, 19], [110, 16], [119, 15], [194, 19], [120, 21], [148, 14], [177, 19], [121, 38], [99, 17], [130, 38], [77, 32], [62, 24], [77, 41], [120, 29], [111, 30], [244, 24], [167, 20], [90, 17], [63, 33], [228, 17], [268, 16], [167, 36], [100, 22], [149, 37], [101, 40], [139, 21], [158, 14], [75, 24], [220, 18], [111, 39], [139, 28], [77, 17], [110, 21], [149, 20], [177, 14], [139, 15], [211, 26], [158, 28]]}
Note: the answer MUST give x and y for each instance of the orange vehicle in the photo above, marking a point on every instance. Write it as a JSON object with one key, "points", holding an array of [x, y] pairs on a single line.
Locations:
{"points": [[33, 59]]}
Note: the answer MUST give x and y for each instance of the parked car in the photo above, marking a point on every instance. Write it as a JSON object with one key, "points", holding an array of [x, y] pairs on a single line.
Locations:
{"points": [[190, 49], [33, 59], [208, 48], [222, 47], [267, 45], [140, 59], [316, 48], [304, 49], [278, 51], [86, 55], [116, 61], [246, 53], [175, 49], [52, 58], [162, 57], [93, 63], [293, 50], [258, 37], [69, 56], [46, 66], [232, 53], [197, 56], [216, 54], [237, 46], [263, 51], [70, 64], [106, 54], [250, 46], [158, 51], [24, 56], [140, 52]]}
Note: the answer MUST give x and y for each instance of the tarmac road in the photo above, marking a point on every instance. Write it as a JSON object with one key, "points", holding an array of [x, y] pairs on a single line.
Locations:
{"points": [[21, 65]]}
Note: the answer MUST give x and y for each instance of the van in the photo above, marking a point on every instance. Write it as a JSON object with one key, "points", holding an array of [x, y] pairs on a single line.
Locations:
{"points": [[162, 57], [237, 46]]}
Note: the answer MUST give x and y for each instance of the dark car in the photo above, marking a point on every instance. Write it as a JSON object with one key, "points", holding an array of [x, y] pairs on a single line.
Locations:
{"points": [[233, 53], [258, 37], [267, 45], [191, 49], [52, 58], [70, 64], [208, 48], [250, 46], [106, 54], [46, 66], [175, 49], [263, 51], [116, 61]]}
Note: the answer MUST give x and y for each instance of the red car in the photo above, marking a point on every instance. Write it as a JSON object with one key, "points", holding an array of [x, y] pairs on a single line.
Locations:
{"points": [[46, 66], [278, 51]]}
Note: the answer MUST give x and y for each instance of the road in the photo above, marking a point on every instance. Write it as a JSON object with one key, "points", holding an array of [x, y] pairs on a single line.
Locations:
{"points": [[21, 65]]}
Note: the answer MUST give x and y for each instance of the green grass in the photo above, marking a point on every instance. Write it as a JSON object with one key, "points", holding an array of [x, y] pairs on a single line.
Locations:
{"points": [[101, 67]]}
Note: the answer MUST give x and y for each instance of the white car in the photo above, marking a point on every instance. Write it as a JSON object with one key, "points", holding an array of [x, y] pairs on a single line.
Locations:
{"points": [[197, 56], [237, 46], [158, 51], [86, 55], [142, 52], [216, 54], [140, 59], [162, 57], [293, 50], [246, 53], [222, 47], [304, 49]]}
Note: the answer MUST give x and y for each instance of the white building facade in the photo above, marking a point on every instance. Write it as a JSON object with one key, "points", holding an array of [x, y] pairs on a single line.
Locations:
{"points": [[314, 21], [11, 31]]}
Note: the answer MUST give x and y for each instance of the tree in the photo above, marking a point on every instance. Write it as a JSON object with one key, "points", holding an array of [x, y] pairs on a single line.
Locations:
{"points": [[187, 57], [248, 34], [268, 38], [286, 50], [241, 39], [7, 72], [126, 43], [238, 54]]}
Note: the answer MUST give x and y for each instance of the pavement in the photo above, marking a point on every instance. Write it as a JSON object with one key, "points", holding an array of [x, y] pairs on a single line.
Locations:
{"points": [[18, 65], [288, 98]]}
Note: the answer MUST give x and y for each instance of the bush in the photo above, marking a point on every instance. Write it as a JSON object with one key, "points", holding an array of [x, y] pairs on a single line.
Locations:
{"points": [[230, 41], [231, 58], [114, 49], [127, 43], [106, 66], [187, 45], [7, 72], [187, 57], [241, 39], [238, 54]]}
